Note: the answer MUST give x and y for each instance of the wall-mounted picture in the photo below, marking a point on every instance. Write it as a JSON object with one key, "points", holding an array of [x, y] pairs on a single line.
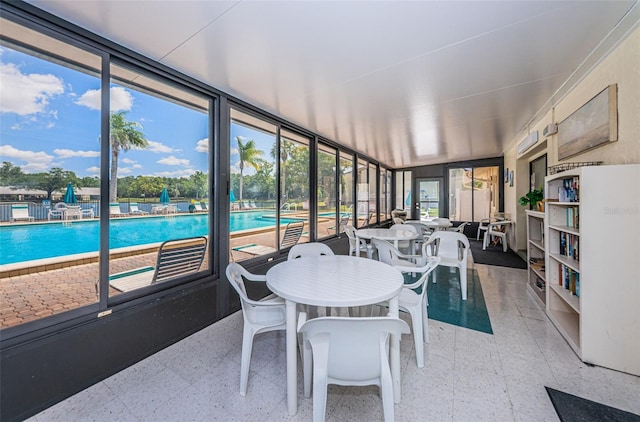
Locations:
{"points": [[592, 125], [511, 178], [506, 175]]}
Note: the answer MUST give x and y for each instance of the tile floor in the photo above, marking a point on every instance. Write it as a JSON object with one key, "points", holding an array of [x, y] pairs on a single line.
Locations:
{"points": [[469, 375]]}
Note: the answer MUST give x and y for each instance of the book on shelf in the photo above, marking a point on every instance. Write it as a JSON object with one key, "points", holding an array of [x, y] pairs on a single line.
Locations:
{"points": [[569, 191], [569, 245], [569, 279], [573, 217]]}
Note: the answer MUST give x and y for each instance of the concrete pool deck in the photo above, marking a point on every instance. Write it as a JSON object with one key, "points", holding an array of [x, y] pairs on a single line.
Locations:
{"points": [[62, 286]]}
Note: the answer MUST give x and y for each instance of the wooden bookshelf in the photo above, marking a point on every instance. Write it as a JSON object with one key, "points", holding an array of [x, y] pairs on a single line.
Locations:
{"points": [[535, 256], [592, 262]]}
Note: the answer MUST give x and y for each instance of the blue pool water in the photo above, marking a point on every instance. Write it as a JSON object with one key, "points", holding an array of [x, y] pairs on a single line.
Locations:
{"points": [[26, 242]]}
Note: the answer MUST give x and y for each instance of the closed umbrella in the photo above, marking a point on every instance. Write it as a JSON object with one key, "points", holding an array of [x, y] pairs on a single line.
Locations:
{"points": [[232, 196], [70, 196], [164, 197]]}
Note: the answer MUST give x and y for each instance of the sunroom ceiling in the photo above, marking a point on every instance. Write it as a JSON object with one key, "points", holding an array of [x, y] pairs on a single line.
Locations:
{"points": [[406, 83]]}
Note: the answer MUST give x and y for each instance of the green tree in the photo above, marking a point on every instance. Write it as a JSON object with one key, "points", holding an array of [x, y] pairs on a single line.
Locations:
{"points": [[199, 181], [10, 174], [55, 180], [249, 155], [123, 136]]}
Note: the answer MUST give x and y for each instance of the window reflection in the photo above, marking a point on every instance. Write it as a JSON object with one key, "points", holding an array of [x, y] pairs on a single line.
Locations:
{"points": [[328, 221]]}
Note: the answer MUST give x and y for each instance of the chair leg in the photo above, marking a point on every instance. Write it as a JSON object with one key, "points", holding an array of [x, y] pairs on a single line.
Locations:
{"points": [[247, 345], [504, 243], [425, 320], [320, 397], [416, 322], [463, 281], [386, 390]]}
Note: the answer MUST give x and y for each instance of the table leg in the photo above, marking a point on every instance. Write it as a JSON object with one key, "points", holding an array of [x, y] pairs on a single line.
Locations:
{"points": [[394, 355], [357, 246], [292, 363]]}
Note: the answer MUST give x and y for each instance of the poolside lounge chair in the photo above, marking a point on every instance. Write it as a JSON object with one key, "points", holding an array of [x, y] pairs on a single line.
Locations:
{"points": [[134, 210], [114, 210], [197, 207], [291, 236], [176, 258], [20, 212], [57, 211]]}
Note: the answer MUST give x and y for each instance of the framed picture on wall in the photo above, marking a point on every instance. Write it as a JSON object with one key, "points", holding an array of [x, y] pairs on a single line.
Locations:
{"points": [[506, 175], [511, 178], [592, 125]]}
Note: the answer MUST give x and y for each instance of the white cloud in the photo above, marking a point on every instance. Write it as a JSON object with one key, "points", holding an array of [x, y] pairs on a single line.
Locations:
{"points": [[121, 99], [158, 147], [26, 94], [175, 173], [94, 170], [67, 153], [124, 170], [35, 162], [234, 151], [128, 161], [173, 161], [136, 166], [202, 145]]}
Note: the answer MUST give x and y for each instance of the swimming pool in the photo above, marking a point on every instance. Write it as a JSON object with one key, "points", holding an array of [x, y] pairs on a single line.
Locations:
{"points": [[26, 242]]}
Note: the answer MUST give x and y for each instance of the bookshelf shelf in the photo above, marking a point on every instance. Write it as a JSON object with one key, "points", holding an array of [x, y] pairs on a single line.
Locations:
{"points": [[591, 262], [537, 282]]}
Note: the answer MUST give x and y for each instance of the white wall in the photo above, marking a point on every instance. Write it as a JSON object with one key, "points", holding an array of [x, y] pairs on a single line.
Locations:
{"points": [[621, 67]]}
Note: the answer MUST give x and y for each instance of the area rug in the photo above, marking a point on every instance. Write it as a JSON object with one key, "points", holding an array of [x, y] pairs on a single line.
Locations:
{"points": [[446, 304], [494, 255], [572, 408]]}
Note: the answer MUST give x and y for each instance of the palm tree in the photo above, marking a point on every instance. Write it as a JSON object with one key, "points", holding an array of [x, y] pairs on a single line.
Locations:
{"points": [[123, 136], [248, 155]]}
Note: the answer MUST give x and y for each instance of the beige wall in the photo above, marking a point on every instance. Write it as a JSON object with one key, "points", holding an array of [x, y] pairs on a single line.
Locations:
{"points": [[621, 67]]}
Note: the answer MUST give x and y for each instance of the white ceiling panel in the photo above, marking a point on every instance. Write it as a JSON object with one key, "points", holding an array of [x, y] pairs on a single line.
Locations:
{"points": [[405, 82]]}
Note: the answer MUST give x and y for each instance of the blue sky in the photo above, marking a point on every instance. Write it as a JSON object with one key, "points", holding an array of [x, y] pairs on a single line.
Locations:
{"points": [[49, 117]]}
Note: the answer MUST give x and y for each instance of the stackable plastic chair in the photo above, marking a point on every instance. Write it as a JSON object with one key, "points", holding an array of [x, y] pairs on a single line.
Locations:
{"points": [[452, 248], [259, 316], [309, 249], [347, 351], [364, 246]]}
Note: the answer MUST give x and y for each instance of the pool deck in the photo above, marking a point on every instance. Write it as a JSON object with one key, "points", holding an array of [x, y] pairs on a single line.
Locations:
{"points": [[45, 290]]}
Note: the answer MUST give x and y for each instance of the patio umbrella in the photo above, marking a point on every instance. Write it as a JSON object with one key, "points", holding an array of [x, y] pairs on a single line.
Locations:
{"points": [[232, 196], [70, 196], [164, 197]]}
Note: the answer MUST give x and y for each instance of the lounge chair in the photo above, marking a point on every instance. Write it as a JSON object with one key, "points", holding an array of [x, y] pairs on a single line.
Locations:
{"points": [[87, 212], [57, 211], [20, 212], [114, 210], [291, 236], [197, 207], [176, 258], [134, 210]]}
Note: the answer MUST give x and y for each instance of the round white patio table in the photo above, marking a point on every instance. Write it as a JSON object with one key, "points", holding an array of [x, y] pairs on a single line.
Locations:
{"points": [[436, 223], [334, 281], [392, 235]]}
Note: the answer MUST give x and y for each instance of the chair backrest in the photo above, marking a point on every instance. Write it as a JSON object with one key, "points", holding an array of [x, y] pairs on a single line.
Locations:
{"points": [[398, 220], [350, 231], [235, 273], [450, 244], [354, 348], [179, 257], [114, 208], [292, 234], [309, 249], [20, 210], [387, 253], [133, 207], [460, 228], [60, 206]]}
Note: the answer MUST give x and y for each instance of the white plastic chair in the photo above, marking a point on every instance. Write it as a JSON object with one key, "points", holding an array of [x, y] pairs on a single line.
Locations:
{"points": [[459, 229], [347, 351], [390, 255], [259, 316], [350, 231], [452, 248], [405, 245], [309, 249], [497, 229], [57, 211]]}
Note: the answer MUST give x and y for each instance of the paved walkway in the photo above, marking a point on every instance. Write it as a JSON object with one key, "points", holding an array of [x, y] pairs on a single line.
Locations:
{"points": [[30, 297]]}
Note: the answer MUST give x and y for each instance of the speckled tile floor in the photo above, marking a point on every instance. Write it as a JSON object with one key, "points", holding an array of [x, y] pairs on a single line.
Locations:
{"points": [[469, 375]]}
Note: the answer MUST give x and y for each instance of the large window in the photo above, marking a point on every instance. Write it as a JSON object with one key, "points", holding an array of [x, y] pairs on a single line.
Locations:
{"points": [[403, 191], [50, 153], [473, 193], [362, 212], [373, 194], [295, 200], [159, 172], [347, 180], [328, 221]]}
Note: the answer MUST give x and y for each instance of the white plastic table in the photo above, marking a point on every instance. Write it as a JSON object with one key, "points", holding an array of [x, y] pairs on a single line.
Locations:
{"points": [[334, 281], [436, 223], [392, 235]]}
